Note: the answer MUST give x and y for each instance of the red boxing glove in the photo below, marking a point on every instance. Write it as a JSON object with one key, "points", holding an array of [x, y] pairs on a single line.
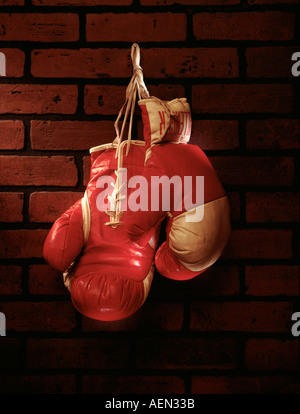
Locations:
{"points": [[65, 239], [106, 244], [198, 217], [112, 275]]}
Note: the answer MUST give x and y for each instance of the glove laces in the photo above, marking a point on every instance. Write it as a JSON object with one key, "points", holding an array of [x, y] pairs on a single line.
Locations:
{"points": [[135, 86]]}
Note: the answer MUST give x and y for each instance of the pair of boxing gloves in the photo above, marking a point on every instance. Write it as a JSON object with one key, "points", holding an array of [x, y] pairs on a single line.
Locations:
{"points": [[107, 243]]}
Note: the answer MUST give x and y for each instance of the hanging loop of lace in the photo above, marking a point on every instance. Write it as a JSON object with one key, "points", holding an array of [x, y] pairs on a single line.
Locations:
{"points": [[135, 86]]}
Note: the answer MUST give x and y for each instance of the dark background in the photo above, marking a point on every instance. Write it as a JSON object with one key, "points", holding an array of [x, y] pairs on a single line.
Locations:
{"points": [[68, 64]]}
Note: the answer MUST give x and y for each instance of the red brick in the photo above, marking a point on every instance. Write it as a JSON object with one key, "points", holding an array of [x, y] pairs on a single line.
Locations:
{"points": [[38, 384], [12, 2], [84, 353], [269, 62], [11, 207], [254, 2], [267, 25], [77, 135], [186, 353], [255, 171], [215, 134], [235, 205], [11, 280], [81, 2], [259, 244], [81, 63], [272, 207], [39, 27], [104, 99], [273, 134], [153, 27], [190, 62], [44, 280], [15, 59], [46, 207], [22, 243], [215, 281], [11, 135], [132, 384], [40, 99], [241, 316], [238, 384], [272, 280], [271, 354], [188, 2], [108, 99], [156, 62], [242, 98], [167, 92], [34, 170], [165, 317], [39, 316]]}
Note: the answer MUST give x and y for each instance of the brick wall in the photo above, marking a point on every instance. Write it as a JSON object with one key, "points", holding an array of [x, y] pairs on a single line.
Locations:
{"points": [[228, 331]]}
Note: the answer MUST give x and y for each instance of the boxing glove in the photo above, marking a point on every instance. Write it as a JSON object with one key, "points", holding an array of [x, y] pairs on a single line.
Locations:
{"points": [[198, 218], [112, 275], [106, 244], [108, 275]]}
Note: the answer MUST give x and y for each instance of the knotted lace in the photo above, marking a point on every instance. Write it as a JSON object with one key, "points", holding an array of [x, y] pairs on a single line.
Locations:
{"points": [[135, 86]]}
